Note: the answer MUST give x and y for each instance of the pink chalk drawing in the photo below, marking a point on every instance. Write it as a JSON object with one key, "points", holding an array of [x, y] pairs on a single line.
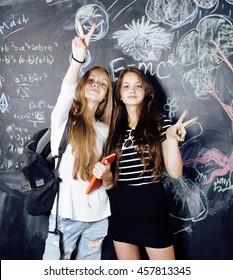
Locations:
{"points": [[228, 109], [221, 55], [223, 161]]}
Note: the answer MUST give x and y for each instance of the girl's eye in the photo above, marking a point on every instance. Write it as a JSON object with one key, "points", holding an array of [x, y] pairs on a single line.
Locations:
{"points": [[125, 86], [103, 85], [139, 86]]}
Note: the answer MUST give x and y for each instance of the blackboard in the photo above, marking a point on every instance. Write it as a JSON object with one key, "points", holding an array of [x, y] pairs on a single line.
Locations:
{"points": [[185, 47]]}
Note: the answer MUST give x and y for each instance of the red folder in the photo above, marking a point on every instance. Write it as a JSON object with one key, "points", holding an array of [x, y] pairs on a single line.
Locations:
{"points": [[96, 183]]}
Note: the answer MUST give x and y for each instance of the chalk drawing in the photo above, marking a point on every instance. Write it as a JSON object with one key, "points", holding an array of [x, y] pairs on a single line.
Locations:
{"points": [[122, 10], [229, 1], [143, 40], [189, 202], [228, 108], [225, 163], [205, 48], [171, 107], [90, 14], [206, 4], [4, 106], [172, 12]]}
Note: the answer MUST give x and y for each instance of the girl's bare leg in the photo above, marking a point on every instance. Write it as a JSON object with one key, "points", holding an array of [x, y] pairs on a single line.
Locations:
{"points": [[167, 253], [126, 251]]}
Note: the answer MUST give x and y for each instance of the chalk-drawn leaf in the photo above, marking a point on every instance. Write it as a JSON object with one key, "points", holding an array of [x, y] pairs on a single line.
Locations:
{"points": [[205, 48], [206, 4], [215, 33], [171, 12], [187, 48]]}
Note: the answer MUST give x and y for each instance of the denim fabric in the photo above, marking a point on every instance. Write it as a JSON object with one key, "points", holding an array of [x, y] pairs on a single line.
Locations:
{"points": [[90, 236]]}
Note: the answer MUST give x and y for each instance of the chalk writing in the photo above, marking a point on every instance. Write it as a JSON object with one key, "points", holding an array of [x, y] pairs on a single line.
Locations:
{"points": [[2, 80], [223, 184], [12, 46], [34, 117], [10, 165], [26, 81], [20, 140], [18, 128], [39, 105], [115, 70], [11, 25], [164, 67], [117, 64], [27, 59], [14, 140], [27, 53], [17, 136]]}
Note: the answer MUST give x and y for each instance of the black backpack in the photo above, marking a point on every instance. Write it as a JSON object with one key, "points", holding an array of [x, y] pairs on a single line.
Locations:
{"points": [[40, 182]]}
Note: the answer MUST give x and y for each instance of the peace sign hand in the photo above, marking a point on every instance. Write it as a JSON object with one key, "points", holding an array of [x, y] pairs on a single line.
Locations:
{"points": [[80, 44], [178, 130]]}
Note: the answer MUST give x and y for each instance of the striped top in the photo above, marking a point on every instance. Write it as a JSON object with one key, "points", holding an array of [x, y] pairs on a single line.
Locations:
{"points": [[130, 166]]}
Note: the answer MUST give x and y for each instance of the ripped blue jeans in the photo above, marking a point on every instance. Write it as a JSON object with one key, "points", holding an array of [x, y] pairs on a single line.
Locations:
{"points": [[90, 236]]}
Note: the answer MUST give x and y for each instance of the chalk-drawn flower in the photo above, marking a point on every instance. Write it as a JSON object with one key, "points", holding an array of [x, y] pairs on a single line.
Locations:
{"points": [[143, 41], [171, 107]]}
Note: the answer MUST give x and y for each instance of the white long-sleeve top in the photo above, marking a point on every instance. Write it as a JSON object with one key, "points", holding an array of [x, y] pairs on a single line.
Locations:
{"points": [[73, 202]]}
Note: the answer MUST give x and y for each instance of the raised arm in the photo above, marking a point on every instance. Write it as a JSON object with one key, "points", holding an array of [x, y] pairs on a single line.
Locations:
{"points": [[60, 112], [171, 152], [79, 52]]}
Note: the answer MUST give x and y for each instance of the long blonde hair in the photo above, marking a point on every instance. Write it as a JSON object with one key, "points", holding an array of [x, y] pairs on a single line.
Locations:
{"points": [[82, 136]]}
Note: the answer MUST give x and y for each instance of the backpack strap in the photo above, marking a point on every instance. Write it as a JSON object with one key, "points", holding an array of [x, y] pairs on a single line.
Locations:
{"points": [[61, 150], [43, 141]]}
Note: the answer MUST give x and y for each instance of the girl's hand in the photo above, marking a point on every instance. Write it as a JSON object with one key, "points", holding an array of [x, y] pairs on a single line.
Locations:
{"points": [[102, 171], [178, 130], [80, 44]]}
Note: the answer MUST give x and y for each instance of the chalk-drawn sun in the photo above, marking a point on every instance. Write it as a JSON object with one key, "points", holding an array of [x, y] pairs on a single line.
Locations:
{"points": [[143, 41]]}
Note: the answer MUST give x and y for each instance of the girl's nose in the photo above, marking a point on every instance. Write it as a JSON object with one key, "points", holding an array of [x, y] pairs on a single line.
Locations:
{"points": [[95, 84], [132, 89]]}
